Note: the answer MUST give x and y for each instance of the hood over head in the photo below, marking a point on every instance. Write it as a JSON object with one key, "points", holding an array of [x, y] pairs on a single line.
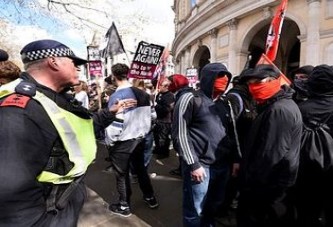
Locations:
{"points": [[320, 81], [208, 75], [306, 70]]}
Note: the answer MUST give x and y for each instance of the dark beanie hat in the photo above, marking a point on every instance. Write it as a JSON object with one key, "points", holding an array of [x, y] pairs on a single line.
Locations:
{"points": [[306, 69], [3, 55], [261, 72], [321, 80], [242, 75], [178, 81]]}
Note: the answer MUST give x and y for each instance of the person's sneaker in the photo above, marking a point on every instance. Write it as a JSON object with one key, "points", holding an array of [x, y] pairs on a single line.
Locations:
{"points": [[120, 210], [152, 202]]}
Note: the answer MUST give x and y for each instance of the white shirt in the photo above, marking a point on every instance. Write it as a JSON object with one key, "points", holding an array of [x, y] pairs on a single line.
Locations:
{"points": [[82, 96]]}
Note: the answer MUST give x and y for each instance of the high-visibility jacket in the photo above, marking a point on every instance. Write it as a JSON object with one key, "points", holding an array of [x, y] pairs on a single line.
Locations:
{"points": [[76, 133]]}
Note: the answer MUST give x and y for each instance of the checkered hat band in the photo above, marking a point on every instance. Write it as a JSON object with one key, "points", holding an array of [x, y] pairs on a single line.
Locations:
{"points": [[40, 54]]}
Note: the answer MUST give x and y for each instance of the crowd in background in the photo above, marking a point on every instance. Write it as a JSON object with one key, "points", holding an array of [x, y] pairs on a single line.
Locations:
{"points": [[250, 142]]}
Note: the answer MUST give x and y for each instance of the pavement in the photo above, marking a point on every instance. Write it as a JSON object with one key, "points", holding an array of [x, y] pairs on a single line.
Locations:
{"points": [[102, 191], [168, 190]]}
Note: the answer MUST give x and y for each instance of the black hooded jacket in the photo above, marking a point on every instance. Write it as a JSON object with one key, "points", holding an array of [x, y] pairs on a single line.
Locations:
{"points": [[271, 156], [197, 129], [319, 107]]}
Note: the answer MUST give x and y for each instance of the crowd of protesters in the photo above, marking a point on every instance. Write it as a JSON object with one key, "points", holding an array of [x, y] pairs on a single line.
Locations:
{"points": [[251, 139]]}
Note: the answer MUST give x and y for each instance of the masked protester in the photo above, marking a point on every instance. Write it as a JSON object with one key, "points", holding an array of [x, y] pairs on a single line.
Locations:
{"points": [[271, 155], [314, 181], [300, 84], [198, 133]]}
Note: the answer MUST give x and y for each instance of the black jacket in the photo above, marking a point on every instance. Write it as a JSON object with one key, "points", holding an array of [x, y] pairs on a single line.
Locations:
{"points": [[271, 156], [27, 138], [164, 105], [318, 109]]}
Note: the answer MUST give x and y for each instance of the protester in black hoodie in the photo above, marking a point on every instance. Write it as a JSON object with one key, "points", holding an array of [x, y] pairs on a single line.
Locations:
{"points": [[314, 181], [271, 156], [198, 133], [300, 85]]}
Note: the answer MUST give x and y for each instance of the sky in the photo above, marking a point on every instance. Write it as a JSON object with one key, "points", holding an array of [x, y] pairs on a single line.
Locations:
{"points": [[160, 29]]}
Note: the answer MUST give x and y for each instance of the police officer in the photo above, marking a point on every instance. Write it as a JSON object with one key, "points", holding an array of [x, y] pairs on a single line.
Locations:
{"points": [[47, 139]]}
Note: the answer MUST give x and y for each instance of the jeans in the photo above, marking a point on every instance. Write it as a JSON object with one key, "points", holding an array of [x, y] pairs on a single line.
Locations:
{"points": [[148, 153], [202, 199]]}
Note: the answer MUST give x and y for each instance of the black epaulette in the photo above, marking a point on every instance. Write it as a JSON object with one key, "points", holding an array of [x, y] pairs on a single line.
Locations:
{"points": [[26, 88], [24, 91]]}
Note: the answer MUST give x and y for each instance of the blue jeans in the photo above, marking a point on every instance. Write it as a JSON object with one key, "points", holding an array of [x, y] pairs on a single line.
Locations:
{"points": [[148, 151], [201, 200]]}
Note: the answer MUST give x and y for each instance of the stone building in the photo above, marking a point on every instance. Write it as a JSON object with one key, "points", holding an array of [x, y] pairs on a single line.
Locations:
{"points": [[228, 31]]}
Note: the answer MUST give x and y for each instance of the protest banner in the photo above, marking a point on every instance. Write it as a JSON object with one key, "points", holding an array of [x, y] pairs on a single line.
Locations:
{"points": [[146, 58], [192, 76], [95, 69]]}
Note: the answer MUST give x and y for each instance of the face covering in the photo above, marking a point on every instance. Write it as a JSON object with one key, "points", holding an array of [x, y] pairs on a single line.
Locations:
{"points": [[300, 85], [220, 85], [263, 91]]}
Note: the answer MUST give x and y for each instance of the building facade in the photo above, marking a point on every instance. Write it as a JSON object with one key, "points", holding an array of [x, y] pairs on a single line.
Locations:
{"points": [[229, 31]]}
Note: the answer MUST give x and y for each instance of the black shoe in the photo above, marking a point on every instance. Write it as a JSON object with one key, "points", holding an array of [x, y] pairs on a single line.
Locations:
{"points": [[120, 210], [152, 202]]}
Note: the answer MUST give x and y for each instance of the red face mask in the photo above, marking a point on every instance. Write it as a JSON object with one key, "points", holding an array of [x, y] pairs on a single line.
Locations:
{"points": [[220, 85], [263, 91]]}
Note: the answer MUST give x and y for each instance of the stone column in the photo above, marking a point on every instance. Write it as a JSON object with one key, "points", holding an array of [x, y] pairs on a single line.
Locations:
{"points": [[213, 44], [182, 63], [187, 58], [232, 24], [177, 65], [313, 36]]}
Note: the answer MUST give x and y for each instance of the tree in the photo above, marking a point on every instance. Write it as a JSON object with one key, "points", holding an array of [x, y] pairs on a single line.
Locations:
{"points": [[90, 17], [85, 15]]}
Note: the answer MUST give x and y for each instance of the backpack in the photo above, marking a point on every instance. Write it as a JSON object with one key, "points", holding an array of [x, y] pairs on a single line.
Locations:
{"points": [[317, 145]]}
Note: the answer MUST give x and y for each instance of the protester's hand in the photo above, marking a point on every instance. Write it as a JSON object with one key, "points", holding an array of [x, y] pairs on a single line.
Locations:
{"points": [[235, 169], [123, 104], [198, 175]]}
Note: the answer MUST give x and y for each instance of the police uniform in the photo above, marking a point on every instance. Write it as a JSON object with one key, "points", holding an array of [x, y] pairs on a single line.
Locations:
{"points": [[47, 143]]}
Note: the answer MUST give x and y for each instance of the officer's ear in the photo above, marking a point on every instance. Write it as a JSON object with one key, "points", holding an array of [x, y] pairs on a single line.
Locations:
{"points": [[53, 63]]}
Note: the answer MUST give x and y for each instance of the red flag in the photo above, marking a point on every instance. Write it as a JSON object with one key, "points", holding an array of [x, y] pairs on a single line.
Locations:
{"points": [[273, 37], [264, 60]]}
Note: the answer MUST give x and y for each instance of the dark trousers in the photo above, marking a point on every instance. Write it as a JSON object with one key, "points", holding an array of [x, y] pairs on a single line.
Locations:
{"points": [[314, 197], [263, 209], [122, 154], [70, 214], [162, 140], [138, 163]]}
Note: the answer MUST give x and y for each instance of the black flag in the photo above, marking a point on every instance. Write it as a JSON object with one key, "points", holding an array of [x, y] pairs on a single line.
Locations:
{"points": [[114, 44]]}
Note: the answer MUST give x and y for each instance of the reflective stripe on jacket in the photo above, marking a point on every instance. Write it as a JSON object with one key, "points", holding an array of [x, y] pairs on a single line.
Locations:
{"points": [[77, 136]]}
